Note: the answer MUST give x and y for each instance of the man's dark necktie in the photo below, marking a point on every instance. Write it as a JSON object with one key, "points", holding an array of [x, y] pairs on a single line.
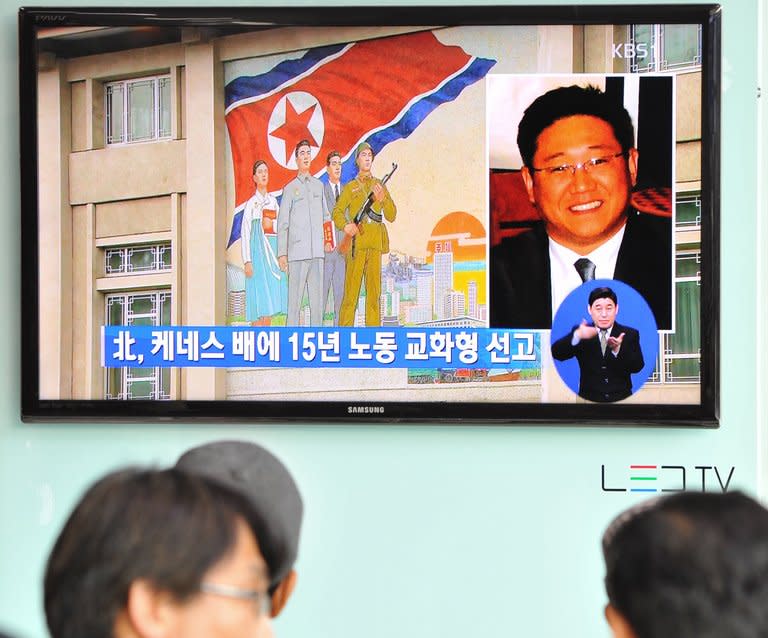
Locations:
{"points": [[585, 268], [336, 190]]}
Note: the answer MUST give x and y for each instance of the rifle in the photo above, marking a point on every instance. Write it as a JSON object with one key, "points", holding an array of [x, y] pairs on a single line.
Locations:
{"points": [[365, 209]]}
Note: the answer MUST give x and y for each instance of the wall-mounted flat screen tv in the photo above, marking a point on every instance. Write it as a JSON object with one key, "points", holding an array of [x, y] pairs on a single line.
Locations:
{"points": [[497, 214]]}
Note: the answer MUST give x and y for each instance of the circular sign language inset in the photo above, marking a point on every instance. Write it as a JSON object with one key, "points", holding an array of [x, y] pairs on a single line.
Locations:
{"points": [[604, 341]]}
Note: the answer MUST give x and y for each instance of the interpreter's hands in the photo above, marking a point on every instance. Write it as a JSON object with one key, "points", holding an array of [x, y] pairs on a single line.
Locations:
{"points": [[614, 343], [585, 331], [282, 262], [351, 229], [248, 269]]}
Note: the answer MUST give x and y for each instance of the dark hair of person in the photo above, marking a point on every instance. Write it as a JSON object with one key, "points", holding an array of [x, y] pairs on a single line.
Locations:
{"points": [[163, 526], [691, 565], [602, 293], [566, 101], [299, 145], [258, 163], [331, 155]]}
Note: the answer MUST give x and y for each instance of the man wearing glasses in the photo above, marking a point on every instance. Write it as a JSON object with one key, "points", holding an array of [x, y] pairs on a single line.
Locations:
{"points": [[579, 168], [203, 549]]}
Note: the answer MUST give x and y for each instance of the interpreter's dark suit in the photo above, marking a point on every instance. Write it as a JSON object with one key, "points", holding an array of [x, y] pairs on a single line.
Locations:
{"points": [[521, 295], [334, 268], [603, 378]]}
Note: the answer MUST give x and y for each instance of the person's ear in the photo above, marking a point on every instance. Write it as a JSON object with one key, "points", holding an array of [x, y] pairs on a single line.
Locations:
{"points": [[283, 592], [149, 612], [632, 157], [528, 181], [618, 624]]}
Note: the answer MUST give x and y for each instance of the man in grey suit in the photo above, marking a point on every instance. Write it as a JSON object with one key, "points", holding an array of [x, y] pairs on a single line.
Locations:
{"points": [[300, 249], [335, 266]]}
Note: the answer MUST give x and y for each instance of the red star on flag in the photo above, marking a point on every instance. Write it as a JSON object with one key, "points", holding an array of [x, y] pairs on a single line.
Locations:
{"points": [[295, 128]]}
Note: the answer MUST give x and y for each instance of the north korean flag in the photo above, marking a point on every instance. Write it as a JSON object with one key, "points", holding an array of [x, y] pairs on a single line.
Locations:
{"points": [[336, 97]]}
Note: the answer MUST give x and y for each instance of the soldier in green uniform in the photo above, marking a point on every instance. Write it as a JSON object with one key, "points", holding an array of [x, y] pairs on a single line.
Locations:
{"points": [[369, 241]]}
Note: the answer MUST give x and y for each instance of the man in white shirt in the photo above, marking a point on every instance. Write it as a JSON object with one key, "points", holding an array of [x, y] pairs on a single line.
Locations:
{"points": [[580, 166]]}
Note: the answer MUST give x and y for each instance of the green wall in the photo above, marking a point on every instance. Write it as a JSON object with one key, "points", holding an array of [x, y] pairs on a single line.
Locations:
{"points": [[425, 530]]}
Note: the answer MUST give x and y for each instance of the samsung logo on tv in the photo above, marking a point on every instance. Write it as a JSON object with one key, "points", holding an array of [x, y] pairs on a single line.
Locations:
{"points": [[365, 409]]}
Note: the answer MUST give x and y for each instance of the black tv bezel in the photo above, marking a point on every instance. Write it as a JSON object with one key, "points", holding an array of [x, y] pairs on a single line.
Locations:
{"points": [[224, 21]]}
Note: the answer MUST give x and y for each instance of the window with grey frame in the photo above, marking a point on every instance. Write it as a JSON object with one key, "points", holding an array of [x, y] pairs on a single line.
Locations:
{"points": [[146, 308], [665, 47], [679, 358], [138, 110], [137, 259], [688, 212]]}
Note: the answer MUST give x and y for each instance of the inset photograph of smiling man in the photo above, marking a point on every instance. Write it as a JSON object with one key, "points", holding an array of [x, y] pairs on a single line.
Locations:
{"points": [[581, 174]]}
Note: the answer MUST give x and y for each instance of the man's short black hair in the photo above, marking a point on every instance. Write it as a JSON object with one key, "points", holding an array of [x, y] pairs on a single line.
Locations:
{"points": [[331, 155], [602, 293], [690, 565], [572, 100], [166, 527]]}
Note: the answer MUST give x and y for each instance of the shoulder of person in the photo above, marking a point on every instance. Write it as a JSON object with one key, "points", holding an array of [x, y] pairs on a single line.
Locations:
{"points": [[522, 244], [645, 224]]}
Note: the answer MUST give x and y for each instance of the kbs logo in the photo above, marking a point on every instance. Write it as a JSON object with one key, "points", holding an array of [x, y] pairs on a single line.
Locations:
{"points": [[665, 478], [630, 50]]}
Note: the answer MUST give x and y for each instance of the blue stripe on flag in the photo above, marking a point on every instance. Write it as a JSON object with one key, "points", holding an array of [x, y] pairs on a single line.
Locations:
{"points": [[252, 86], [237, 225]]}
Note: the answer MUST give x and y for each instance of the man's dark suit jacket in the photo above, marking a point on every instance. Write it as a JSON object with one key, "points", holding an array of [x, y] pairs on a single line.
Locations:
{"points": [[521, 295], [603, 378]]}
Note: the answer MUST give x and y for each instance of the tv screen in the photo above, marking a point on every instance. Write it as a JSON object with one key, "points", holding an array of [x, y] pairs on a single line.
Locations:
{"points": [[481, 215]]}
